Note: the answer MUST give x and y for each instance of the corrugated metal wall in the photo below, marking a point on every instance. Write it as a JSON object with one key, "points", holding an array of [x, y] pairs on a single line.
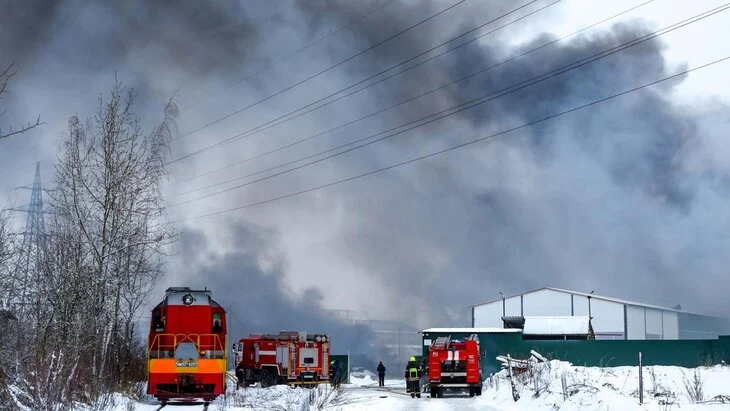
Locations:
{"points": [[611, 320], [686, 353]]}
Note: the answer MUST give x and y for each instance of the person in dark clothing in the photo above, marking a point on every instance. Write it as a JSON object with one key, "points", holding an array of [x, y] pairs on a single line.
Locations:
{"points": [[413, 376], [381, 374], [335, 373]]}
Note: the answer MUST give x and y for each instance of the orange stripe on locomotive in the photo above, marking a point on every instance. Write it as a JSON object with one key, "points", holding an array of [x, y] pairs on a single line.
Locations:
{"points": [[187, 346]]}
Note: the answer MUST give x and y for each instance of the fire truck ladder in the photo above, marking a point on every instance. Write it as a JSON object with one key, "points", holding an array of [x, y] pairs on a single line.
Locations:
{"points": [[441, 342]]}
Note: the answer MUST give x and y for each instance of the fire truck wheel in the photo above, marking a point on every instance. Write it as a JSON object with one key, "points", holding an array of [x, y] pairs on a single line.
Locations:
{"points": [[267, 379]]}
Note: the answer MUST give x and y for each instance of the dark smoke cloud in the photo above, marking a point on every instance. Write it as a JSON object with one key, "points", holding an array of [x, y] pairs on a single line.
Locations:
{"points": [[627, 198], [200, 37], [648, 161], [251, 283], [594, 200]]}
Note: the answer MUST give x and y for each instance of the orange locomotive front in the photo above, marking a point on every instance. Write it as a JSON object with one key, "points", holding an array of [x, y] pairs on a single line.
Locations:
{"points": [[186, 351]]}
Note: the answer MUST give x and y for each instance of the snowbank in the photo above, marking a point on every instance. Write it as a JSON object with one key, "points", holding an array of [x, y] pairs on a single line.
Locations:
{"points": [[560, 386], [554, 385]]}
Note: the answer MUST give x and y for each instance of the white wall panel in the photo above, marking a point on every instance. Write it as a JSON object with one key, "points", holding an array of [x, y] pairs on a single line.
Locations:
{"points": [[580, 305], [546, 302], [513, 306], [653, 324], [608, 316], [488, 315], [671, 325], [635, 322]]}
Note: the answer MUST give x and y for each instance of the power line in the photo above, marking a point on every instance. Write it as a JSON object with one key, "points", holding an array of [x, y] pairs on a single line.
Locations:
{"points": [[320, 72], [267, 125], [489, 137], [472, 103], [290, 55], [478, 72]]}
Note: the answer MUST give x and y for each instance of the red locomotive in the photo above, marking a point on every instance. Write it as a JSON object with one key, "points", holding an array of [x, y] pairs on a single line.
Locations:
{"points": [[286, 358], [186, 349], [454, 364]]}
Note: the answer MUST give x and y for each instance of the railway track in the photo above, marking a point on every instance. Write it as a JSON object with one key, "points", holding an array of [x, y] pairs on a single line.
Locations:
{"points": [[184, 404]]}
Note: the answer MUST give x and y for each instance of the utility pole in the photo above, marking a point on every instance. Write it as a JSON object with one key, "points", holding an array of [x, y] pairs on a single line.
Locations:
{"points": [[503, 304], [503, 309], [591, 334]]}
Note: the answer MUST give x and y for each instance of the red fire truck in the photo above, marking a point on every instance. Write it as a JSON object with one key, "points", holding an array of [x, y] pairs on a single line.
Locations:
{"points": [[454, 364], [290, 357]]}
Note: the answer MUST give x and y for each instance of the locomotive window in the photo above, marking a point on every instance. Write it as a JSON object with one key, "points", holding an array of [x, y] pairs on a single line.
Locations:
{"points": [[158, 323], [186, 351], [217, 326]]}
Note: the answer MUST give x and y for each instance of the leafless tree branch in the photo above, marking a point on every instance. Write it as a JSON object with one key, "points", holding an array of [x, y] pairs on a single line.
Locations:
{"points": [[5, 76]]}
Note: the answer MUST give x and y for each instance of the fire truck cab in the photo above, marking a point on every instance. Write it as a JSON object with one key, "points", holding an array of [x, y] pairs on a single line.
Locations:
{"points": [[454, 364], [290, 357]]}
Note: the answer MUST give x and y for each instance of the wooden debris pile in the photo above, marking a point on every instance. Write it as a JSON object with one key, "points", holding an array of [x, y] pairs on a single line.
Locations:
{"points": [[519, 365]]}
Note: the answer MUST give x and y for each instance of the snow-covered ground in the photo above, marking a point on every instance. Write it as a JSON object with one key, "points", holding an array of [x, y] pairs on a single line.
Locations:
{"points": [[586, 388]]}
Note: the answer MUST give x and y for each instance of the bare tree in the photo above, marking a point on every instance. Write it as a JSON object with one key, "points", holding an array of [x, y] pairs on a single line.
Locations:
{"points": [[6, 249], [104, 253], [5, 76], [7, 318]]}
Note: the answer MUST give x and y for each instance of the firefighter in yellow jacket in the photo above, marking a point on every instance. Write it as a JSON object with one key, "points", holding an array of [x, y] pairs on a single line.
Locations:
{"points": [[413, 376]]}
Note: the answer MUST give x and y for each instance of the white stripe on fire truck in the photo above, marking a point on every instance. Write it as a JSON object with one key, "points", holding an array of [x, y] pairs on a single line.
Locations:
{"points": [[267, 352]]}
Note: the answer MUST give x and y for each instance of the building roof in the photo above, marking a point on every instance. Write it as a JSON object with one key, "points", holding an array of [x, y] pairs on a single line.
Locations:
{"points": [[595, 296], [556, 325], [472, 330]]}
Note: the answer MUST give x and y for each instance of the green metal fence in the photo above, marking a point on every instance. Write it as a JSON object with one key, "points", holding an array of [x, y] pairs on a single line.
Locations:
{"points": [[607, 353], [344, 361]]}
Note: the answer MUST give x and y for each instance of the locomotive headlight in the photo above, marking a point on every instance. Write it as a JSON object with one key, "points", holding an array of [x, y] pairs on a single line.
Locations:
{"points": [[188, 299]]}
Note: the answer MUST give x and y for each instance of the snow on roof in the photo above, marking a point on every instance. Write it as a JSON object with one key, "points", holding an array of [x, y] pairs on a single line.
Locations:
{"points": [[569, 325], [471, 330]]}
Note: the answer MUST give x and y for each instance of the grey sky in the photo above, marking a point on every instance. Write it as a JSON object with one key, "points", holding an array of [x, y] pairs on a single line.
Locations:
{"points": [[627, 198]]}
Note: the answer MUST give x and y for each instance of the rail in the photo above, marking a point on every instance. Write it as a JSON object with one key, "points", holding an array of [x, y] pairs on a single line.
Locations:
{"points": [[164, 345]]}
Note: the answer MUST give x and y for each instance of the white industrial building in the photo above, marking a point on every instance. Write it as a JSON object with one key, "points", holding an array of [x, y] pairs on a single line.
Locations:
{"points": [[611, 318]]}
